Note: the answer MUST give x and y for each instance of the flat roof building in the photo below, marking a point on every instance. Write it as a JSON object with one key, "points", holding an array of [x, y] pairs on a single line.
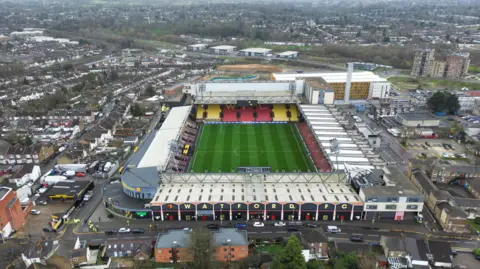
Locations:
{"points": [[197, 47], [288, 54], [414, 120], [223, 49], [252, 52]]}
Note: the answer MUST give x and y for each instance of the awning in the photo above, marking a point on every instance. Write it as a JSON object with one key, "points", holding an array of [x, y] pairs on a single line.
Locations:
{"points": [[204, 212]]}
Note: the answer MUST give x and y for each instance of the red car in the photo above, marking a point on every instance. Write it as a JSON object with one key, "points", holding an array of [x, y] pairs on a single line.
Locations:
{"points": [[80, 174]]}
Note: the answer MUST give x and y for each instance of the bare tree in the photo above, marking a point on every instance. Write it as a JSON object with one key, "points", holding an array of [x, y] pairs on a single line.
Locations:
{"points": [[201, 250]]}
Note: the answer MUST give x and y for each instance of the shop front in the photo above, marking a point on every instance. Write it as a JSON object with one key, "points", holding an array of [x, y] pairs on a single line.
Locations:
{"points": [[256, 211], [239, 211], [170, 211], [187, 211], [222, 211], [157, 213], [290, 211], [274, 211], [357, 212], [326, 211], [343, 211], [308, 211], [204, 211]]}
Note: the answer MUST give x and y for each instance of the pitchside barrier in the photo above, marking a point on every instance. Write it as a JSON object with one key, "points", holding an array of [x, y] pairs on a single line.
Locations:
{"points": [[246, 122]]}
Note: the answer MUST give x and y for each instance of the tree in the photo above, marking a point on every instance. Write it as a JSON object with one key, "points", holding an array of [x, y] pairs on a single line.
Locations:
{"points": [[346, 261], [136, 110], [291, 256], [150, 91], [315, 264], [476, 252], [452, 103], [443, 102], [201, 249]]}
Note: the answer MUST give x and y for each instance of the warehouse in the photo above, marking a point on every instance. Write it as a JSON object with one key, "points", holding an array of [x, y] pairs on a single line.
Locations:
{"points": [[414, 120], [223, 49], [197, 47], [288, 54], [364, 85], [252, 52]]}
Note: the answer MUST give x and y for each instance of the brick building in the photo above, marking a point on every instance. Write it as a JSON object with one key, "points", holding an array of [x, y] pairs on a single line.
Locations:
{"points": [[12, 214], [230, 245]]}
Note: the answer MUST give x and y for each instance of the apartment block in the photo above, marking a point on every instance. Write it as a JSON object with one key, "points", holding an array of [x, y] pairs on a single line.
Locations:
{"points": [[457, 65], [422, 62]]}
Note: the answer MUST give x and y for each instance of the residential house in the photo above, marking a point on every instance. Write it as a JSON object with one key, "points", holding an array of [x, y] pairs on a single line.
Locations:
{"points": [[12, 214], [80, 256], [316, 245], [72, 155], [4, 147], [40, 252], [42, 153], [144, 252], [230, 245], [28, 173], [440, 254], [417, 253], [124, 248], [393, 246]]}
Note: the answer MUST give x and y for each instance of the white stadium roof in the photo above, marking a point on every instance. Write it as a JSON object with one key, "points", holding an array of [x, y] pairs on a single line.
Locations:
{"points": [[337, 77], [158, 152], [259, 192]]}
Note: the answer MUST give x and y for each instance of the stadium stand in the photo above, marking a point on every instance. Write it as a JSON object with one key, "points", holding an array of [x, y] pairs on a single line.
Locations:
{"points": [[264, 113], [213, 112], [246, 114], [229, 114], [293, 113], [314, 148], [279, 112], [200, 111]]}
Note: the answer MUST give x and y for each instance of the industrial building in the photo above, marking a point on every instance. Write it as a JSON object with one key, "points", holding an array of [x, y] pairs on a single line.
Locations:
{"points": [[197, 47], [288, 54], [223, 49], [414, 120], [252, 52], [364, 85]]}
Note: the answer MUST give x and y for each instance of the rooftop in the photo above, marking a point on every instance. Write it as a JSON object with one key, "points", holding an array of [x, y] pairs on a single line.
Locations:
{"points": [[71, 188], [417, 116], [318, 83], [230, 236], [336, 77], [262, 192], [223, 47], [257, 50], [173, 238], [141, 177], [441, 251], [287, 53]]}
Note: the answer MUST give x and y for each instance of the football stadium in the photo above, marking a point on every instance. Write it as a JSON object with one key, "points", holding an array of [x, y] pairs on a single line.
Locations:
{"points": [[244, 150]]}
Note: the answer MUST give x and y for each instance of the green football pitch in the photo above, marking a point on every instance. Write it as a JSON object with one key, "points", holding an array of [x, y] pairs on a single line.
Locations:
{"points": [[225, 147]]}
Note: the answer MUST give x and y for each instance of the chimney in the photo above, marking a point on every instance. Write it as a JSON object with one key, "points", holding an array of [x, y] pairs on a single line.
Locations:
{"points": [[348, 84]]}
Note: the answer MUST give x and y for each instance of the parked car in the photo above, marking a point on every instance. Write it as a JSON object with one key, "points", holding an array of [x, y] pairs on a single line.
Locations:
{"points": [[240, 225], [124, 230], [110, 232], [48, 229], [356, 238], [213, 226], [187, 229], [333, 229], [258, 224], [80, 174], [41, 202], [445, 155], [292, 228], [280, 224], [138, 231], [424, 147], [35, 212], [311, 225]]}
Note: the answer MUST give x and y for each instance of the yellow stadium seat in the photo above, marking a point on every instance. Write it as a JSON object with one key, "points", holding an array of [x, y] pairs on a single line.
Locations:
{"points": [[293, 113], [280, 112]]}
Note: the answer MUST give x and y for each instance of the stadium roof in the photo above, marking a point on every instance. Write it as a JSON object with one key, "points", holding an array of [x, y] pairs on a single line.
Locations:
{"points": [[337, 77], [158, 152], [255, 192], [141, 177]]}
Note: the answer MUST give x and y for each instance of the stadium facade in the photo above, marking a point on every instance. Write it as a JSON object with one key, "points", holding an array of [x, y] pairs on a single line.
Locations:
{"points": [[160, 172]]}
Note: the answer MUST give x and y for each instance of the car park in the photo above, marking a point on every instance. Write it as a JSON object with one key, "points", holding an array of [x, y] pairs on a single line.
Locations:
{"points": [[138, 231], [124, 230], [258, 224], [280, 224], [35, 212]]}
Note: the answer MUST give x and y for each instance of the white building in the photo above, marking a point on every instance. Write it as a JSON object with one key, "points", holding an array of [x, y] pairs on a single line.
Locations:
{"points": [[223, 49], [252, 52], [288, 54], [28, 173], [197, 47], [467, 103]]}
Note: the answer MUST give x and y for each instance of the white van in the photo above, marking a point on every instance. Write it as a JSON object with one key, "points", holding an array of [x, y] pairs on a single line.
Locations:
{"points": [[333, 229]]}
